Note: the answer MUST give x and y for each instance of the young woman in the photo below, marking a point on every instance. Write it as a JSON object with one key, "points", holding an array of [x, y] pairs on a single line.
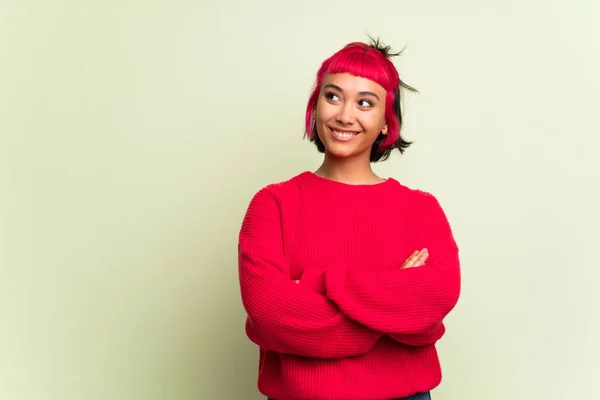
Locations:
{"points": [[346, 277]]}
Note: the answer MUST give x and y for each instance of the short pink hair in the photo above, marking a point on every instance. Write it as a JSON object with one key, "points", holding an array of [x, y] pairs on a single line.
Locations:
{"points": [[366, 61]]}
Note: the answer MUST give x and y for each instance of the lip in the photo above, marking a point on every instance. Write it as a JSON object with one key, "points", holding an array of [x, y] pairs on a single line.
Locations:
{"points": [[343, 139]]}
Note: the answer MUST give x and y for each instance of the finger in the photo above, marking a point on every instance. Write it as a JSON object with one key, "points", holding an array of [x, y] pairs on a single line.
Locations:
{"points": [[414, 260], [421, 258], [410, 260], [406, 261]]}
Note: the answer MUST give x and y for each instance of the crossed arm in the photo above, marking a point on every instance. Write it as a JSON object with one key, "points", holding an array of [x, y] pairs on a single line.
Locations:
{"points": [[416, 259], [410, 303], [283, 316], [407, 304]]}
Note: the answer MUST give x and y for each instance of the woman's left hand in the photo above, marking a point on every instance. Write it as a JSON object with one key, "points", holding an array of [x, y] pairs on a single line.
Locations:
{"points": [[416, 259]]}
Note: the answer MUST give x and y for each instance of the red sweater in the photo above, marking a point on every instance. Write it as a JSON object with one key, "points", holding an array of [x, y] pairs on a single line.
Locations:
{"points": [[356, 327]]}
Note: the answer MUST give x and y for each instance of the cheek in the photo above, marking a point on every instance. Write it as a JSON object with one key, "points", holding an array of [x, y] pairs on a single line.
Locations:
{"points": [[324, 112], [374, 124]]}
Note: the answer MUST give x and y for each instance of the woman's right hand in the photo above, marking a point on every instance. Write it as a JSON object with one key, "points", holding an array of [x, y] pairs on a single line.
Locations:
{"points": [[416, 259]]}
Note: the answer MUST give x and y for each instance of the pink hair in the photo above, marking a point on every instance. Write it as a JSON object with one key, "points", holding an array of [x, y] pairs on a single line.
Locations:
{"points": [[360, 59]]}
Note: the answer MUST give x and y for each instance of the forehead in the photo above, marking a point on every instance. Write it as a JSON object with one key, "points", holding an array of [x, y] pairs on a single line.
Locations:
{"points": [[351, 83]]}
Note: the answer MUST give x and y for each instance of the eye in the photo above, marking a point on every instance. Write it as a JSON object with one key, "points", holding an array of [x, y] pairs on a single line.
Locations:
{"points": [[332, 96], [365, 103]]}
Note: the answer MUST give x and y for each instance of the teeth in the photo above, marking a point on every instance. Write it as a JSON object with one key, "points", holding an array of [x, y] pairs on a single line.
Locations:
{"points": [[344, 135]]}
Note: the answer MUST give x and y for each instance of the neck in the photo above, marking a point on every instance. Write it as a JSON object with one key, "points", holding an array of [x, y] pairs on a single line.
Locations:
{"points": [[352, 171]]}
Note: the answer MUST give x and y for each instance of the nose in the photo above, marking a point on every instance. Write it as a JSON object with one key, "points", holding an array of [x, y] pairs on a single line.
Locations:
{"points": [[345, 114]]}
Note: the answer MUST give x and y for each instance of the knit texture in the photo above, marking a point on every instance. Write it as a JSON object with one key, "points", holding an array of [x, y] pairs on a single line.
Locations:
{"points": [[356, 327]]}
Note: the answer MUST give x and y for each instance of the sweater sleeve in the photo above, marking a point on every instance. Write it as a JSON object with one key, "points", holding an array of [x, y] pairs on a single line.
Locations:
{"points": [[284, 316], [425, 338], [409, 304]]}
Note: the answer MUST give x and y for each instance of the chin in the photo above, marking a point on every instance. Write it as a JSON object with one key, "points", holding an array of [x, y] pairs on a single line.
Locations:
{"points": [[337, 151], [343, 150]]}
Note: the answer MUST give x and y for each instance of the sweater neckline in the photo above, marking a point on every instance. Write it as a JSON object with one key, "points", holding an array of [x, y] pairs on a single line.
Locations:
{"points": [[325, 181]]}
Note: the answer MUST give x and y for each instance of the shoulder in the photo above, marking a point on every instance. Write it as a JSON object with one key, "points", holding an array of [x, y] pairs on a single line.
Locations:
{"points": [[420, 203], [271, 194], [417, 197], [425, 211], [262, 220]]}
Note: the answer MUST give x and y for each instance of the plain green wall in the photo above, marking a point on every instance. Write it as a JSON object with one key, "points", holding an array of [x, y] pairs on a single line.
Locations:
{"points": [[133, 134]]}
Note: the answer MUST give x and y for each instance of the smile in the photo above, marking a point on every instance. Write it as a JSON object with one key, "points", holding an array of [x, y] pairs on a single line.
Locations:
{"points": [[344, 136]]}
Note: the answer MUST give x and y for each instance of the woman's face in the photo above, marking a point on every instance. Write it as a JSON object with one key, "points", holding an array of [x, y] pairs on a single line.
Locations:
{"points": [[350, 115]]}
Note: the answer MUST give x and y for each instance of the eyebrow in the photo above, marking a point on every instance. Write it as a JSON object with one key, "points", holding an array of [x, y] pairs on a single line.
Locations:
{"points": [[364, 93]]}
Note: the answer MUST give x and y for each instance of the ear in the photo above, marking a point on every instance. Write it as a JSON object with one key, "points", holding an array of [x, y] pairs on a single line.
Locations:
{"points": [[384, 130]]}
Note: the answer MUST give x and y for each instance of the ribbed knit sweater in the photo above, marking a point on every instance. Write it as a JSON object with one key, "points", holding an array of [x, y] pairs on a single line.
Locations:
{"points": [[356, 327]]}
